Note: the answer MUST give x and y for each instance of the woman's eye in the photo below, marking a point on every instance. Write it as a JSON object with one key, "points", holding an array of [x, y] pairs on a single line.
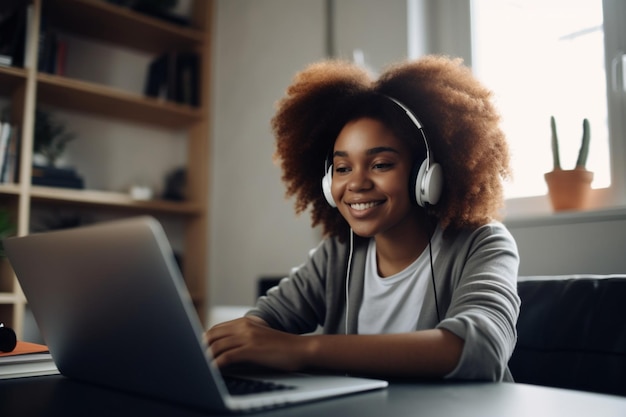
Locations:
{"points": [[383, 165], [341, 170]]}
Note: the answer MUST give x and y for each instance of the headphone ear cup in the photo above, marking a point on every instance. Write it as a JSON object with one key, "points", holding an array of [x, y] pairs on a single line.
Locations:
{"points": [[428, 184], [433, 184], [326, 187]]}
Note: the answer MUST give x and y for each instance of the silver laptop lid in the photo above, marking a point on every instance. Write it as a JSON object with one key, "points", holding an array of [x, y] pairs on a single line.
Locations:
{"points": [[103, 298]]}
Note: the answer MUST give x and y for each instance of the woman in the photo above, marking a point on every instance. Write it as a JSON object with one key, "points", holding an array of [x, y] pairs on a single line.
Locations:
{"points": [[415, 276]]}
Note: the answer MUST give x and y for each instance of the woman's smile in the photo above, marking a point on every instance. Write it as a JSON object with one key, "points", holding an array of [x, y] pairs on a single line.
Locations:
{"points": [[365, 209], [365, 206], [371, 174]]}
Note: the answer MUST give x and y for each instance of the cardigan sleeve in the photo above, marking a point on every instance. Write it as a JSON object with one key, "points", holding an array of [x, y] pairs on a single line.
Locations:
{"points": [[297, 304], [484, 304]]}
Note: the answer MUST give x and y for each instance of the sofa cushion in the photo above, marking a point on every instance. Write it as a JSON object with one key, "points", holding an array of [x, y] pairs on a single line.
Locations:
{"points": [[572, 332]]}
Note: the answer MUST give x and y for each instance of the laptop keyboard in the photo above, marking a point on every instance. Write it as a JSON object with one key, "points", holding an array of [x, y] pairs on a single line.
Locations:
{"points": [[243, 386]]}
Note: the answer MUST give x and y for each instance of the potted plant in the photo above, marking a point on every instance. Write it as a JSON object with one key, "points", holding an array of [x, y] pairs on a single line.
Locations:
{"points": [[569, 189], [50, 138]]}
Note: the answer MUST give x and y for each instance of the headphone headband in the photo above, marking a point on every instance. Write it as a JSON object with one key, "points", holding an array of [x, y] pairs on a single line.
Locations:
{"points": [[417, 124], [426, 180]]}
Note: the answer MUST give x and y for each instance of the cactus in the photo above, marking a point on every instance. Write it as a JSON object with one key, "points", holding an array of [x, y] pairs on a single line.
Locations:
{"points": [[583, 152], [555, 145]]}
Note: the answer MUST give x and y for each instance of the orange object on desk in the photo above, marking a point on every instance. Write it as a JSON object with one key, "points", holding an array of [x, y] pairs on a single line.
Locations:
{"points": [[24, 348]]}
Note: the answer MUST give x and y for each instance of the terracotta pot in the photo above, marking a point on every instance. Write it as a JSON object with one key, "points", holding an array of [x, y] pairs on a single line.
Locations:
{"points": [[569, 189]]}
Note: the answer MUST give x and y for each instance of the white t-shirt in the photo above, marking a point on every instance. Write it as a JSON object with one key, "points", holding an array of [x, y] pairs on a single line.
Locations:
{"points": [[393, 304]]}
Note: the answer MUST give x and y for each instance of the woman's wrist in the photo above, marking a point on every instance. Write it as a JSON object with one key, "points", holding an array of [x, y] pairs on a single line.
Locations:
{"points": [[310, 351]]}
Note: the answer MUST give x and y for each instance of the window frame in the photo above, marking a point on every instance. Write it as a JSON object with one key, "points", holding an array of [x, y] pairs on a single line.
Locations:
{"points": [[448, 30], [614, 196]]}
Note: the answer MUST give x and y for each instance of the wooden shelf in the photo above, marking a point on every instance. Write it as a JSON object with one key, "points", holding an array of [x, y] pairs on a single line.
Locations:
{"points": [[10, 298], [94, 19], [102, 199], [26, 89], [105, 101], [9, 189], [11, 78], [111, 199]]}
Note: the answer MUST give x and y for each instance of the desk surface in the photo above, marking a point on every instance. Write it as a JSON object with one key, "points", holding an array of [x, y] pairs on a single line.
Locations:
{"points": [[59, 396]]}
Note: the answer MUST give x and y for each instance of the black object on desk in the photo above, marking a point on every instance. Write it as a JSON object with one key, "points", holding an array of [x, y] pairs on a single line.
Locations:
{"points": [[8, 340]]}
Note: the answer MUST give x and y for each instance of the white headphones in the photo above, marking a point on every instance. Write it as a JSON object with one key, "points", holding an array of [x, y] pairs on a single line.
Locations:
{"points": [[426, 182]]}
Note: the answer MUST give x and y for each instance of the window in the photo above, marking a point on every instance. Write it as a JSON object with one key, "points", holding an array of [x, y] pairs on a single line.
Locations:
{"points": [[549, 57]]}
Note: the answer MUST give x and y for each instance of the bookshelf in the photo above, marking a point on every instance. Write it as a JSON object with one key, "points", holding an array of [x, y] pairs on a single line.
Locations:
{"points": [[25, 88]]}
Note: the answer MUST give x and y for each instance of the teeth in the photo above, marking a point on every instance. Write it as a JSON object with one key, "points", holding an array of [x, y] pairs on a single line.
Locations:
{"points": [[363, 206]]}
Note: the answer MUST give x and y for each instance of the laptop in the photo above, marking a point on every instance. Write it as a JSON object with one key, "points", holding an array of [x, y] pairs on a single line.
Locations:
{"points": [[114, 310]]}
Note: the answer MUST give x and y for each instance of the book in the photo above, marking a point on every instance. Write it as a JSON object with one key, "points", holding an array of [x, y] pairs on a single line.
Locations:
{"points": [[61, 54], [157, 76], [76, 183], [171, 77], [174, 77], [12, 35], [28, 58], [47, 52], [5, 134], [27, 359], [187, 79], [53, 172], [56, 177]]}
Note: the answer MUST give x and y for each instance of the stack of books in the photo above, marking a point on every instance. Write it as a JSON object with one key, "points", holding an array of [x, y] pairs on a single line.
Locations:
{"points": [[15, 19], [27, 359], [12, 34], [174, 77], [56, 177]]}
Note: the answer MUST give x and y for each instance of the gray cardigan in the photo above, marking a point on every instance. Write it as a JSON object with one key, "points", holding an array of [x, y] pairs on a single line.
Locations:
{"points": [[475, 274]]}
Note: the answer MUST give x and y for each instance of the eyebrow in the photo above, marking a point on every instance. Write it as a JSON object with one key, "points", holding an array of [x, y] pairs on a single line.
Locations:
{"points": [[369, 152]]}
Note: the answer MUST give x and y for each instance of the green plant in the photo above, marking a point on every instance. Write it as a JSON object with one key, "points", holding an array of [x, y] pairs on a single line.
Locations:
{"points": [[583, 152], [50, 138]]}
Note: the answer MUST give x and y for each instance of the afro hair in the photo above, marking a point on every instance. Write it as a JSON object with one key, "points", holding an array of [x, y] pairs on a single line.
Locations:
{"points": [[459, 119]]}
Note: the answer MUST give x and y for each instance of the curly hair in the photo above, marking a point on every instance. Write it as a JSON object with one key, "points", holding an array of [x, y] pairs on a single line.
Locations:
{"points": [[460, 122]]}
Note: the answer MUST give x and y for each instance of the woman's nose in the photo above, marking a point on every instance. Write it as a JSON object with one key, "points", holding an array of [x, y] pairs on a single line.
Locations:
{"points": [[359, 180]]}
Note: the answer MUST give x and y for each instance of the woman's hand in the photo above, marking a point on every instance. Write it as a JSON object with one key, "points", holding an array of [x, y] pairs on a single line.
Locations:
{"points": [[251, 340]]}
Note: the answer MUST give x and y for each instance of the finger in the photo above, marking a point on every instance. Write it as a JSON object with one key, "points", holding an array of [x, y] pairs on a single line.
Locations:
{"points": [[222, 346], [231, 357], [219, 332], [228, 328]]}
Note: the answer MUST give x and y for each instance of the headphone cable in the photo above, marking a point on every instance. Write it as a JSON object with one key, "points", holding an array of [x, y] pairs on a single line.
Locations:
{"points": [[432, 275], [432, 268], [348, 268]]}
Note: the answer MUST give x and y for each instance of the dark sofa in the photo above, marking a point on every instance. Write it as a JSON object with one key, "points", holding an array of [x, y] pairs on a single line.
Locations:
{"points": [[572, 333]]}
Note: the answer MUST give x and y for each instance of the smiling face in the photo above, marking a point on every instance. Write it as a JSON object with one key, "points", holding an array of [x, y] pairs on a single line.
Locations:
{"points": [[371, 170]]}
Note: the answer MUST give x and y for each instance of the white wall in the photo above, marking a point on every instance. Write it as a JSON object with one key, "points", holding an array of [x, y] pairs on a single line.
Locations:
{"points": [[377, 28], [259, 46], [572, 243]]}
